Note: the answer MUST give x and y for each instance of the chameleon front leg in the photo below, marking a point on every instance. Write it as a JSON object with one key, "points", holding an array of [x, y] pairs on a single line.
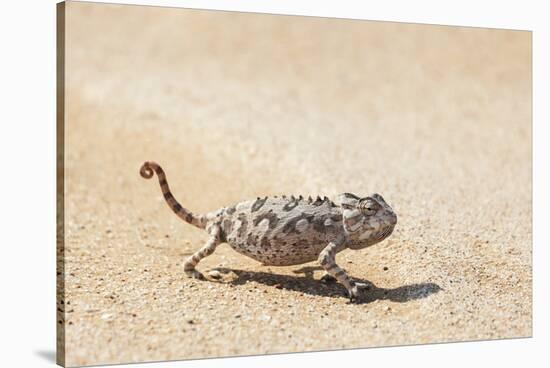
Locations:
{"points": [[205, 251], [328, 279], [328, 262]]}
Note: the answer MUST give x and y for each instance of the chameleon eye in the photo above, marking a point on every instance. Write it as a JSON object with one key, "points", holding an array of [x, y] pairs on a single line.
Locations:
{"points": [[368, 207], [368, 211]]}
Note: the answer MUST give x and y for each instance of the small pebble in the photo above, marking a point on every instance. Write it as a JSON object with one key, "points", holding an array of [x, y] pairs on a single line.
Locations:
{"points": [[385, 268]]}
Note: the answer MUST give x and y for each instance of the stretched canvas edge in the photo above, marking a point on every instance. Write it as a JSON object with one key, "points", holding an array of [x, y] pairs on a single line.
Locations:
{"points": [[60, 182]]}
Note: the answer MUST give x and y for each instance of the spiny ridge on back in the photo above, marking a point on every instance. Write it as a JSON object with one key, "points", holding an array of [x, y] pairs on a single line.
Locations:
{"points": [[300, 198]]}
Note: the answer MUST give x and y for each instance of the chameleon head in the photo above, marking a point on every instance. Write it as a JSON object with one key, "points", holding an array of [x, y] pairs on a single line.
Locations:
{"points": [[367, 220]]}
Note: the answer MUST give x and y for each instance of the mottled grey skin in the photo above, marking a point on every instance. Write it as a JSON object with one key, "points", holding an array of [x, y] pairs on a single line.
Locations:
{"points": [[290, 231], [283, 231]]}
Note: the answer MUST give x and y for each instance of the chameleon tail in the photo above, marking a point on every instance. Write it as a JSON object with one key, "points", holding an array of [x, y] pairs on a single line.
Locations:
{"points": [[146, 172]]}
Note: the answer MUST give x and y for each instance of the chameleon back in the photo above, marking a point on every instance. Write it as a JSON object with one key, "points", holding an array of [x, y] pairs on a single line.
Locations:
{"points": [[281, 231]]}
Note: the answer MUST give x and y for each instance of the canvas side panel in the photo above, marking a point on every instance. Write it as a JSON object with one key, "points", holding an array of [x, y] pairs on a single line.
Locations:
{"points": [[60, 184]]}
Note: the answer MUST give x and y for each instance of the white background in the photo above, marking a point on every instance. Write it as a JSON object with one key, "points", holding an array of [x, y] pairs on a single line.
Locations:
{"points": [[27, 202]]}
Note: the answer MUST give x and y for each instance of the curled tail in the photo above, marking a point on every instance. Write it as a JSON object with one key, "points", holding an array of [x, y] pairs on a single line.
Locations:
{"points": [[146, 172]]}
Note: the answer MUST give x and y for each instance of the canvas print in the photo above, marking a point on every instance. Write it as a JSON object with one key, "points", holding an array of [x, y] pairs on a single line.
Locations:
{"points": [[240, 184]]}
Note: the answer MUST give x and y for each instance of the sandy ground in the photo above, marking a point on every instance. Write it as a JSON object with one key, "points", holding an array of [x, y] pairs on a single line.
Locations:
{"points": [[235, 106]]}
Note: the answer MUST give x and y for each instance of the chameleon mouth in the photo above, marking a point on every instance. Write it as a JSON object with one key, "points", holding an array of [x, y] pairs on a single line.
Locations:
{"points": [[384, 233]]}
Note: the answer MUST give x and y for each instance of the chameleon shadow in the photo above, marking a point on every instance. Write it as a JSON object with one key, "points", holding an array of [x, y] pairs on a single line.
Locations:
{"points": [[308, 285]]}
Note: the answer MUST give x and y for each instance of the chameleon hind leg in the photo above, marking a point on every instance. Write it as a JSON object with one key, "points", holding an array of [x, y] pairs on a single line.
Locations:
{"points": [[328, 262], [205, 251]]}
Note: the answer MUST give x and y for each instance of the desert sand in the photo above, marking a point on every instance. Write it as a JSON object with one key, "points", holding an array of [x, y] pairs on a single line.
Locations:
{"points": [[235, 106]]}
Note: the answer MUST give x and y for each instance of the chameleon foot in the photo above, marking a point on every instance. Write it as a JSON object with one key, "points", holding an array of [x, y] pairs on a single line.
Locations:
{"points": [[194, 274], [353, 293]]}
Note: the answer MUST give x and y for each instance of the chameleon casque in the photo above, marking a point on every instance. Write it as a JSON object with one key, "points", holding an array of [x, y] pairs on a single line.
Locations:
{"points": [[288, 230]]}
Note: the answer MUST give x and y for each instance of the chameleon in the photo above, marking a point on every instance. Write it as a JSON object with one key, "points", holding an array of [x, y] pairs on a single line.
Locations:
{"points": [[288, 230]]}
